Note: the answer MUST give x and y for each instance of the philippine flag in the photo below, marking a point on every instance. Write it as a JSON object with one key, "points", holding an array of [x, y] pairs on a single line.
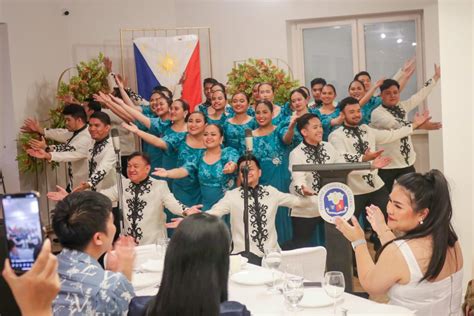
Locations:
{"points": [[164, 60]]}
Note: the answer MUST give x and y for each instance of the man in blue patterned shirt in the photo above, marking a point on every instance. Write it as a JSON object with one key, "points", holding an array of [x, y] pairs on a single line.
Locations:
{"points": [[83, 222]]}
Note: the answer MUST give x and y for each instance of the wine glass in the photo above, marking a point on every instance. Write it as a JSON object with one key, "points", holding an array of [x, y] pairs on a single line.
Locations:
{"points": [[272, 261], [293, 291], [334, 285]]}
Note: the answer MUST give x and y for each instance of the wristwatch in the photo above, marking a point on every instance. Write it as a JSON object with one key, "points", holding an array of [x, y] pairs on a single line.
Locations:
{"points": [[358, 242]]}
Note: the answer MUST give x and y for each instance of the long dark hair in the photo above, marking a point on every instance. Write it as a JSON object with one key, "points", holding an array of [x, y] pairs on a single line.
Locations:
{"points": [[196, 269], [430, 191]]}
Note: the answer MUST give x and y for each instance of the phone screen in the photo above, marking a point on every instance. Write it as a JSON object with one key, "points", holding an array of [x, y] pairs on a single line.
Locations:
{"points": [[23, 229]]}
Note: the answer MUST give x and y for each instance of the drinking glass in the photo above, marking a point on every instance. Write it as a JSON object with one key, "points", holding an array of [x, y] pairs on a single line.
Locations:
{"points": [[161, 246], [293, 291], [334, 285], [272, 261]]}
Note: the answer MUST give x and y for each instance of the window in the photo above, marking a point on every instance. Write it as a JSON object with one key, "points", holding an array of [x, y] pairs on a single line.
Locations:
{"points": [[338, 49]]}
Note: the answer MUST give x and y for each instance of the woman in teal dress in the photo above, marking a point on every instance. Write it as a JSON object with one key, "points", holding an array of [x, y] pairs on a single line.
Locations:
{"points": [[266, 92], [367, 100], [215, 167], [218, 104], [272, 152], [234, 128], [330, 115], [187, 189]]}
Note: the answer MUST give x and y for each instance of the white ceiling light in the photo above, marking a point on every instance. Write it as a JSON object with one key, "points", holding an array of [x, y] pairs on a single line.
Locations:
{"points": [[399, 40], [383, 35]]}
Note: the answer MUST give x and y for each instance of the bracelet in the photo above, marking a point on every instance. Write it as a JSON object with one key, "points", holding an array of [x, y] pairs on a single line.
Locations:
{"points": [[358, 242]]}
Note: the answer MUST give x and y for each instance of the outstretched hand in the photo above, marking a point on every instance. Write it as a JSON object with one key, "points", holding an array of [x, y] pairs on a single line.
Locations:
{"points": [[131, 127], [229, 167], [195, 209], [371, 155], [31, 125], [58, 195], [174, 223], [38, 144], [351, 232], [381, 162], [38, 153], [160, 172]]}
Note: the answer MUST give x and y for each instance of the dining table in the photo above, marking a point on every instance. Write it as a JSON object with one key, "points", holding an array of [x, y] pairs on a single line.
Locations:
{"points": [[248, 285]]}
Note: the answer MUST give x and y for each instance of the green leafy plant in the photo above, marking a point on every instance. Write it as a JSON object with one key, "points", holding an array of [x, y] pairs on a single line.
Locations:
{"points": [[91, 77], [244, 76]]}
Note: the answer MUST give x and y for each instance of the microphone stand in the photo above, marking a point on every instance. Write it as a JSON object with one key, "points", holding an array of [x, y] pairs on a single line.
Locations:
{"points": [[245, 178], [118, 173]]}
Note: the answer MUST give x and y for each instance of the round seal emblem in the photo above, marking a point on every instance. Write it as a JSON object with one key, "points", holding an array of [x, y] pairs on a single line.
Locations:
{"points": [[336, 200]]}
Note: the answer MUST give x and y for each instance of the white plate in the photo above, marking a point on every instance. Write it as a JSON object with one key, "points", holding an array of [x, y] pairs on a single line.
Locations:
{"points": [[252, 277], [144, 280], [152, 266], [316, 297]]}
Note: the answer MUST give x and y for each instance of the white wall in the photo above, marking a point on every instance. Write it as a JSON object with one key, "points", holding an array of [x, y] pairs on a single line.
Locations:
{"points": [[456, 53], [7, 132], [43, 42]]}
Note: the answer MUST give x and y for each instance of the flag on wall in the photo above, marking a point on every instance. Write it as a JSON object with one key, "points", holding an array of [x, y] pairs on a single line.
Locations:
{"points": [[164, 61]]}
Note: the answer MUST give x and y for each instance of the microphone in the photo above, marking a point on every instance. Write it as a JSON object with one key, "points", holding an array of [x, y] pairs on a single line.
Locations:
{"points": [[115, 140], [248, 141]]}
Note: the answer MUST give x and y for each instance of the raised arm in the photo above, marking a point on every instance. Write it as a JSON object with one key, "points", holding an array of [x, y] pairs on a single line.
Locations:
{"points": [[149, 138], [176, 173], [363, 101], [107, 101]]}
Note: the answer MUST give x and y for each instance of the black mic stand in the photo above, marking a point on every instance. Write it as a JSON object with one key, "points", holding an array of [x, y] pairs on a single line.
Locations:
{"points": [[245, 180], [118, 173]]}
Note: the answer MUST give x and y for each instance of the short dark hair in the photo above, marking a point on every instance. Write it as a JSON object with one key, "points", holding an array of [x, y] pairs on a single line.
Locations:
{"points": [[101, 116], [316, 81], [94, 105], [248, 157], [303, 120], [223, 91], [242, 93], [79, 216], [197, 262], [143, 155], [362, 73], [345, 102], [209, 81], [76, 111], [387, 83]]}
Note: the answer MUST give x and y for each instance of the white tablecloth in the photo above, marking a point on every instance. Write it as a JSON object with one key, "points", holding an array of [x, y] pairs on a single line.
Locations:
{"points": [[260, 302]]}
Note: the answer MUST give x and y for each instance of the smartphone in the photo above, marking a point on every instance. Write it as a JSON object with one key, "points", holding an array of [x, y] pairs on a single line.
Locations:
{"points": [[23, 229]]}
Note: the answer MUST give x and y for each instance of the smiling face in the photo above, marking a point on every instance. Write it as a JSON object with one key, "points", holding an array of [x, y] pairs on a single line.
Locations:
{"points": [[158, 105], [390, 96], [328, 95], [218, 100], [298, 102], [313, 131], [212, 137], [254, 173], [265, 92], [177, 113], [356, 90], [97, 129], [196, 123], [137, 169], [240, 103], [263, 115], [401, 215], [352, 114]]}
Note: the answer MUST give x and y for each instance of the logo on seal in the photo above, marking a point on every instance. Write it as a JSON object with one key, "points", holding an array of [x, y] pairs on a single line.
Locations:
{"points": [[336, 200]]}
